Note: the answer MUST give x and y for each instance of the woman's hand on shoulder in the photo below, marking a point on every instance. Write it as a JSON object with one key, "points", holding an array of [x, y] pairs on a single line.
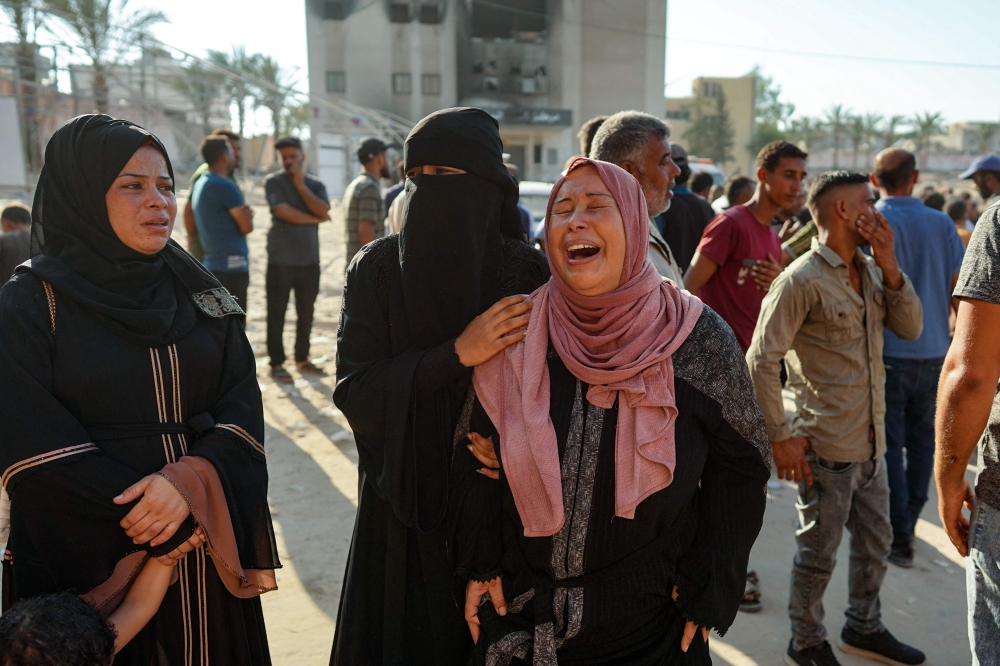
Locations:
{"points": [[474, 592], [158, 514], [503, 325]]}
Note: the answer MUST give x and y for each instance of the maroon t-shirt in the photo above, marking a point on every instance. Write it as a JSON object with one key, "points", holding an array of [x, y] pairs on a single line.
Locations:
{"points": [[733, 239]]}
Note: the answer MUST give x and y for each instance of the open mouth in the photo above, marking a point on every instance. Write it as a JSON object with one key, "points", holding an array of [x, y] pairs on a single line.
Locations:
{"points": [[581, 251]]}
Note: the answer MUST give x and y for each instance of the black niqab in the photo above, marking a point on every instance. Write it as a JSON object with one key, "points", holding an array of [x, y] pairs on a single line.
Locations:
{"points": [[142, 298], [450, 243]]}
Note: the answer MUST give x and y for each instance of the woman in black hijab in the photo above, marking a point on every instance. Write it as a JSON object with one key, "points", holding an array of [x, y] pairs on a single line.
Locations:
{"points": [[421, 308], [130, 409]]}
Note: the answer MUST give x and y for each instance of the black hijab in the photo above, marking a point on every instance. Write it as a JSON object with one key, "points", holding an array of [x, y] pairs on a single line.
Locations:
{"points": [[453, 226], [146, 299]]}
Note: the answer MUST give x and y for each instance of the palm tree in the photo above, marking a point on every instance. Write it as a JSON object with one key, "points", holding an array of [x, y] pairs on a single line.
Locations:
{"points": [[296, 118], [25, 18], [890, 131], [806, 131], [873, 128], [271, 88], [836, 119], [925, 126], [856, 128], [202, 86], [241, 65], [103, 29]]}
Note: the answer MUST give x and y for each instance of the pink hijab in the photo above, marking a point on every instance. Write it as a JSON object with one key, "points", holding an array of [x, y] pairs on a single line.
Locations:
{"points": [[620, 343]]}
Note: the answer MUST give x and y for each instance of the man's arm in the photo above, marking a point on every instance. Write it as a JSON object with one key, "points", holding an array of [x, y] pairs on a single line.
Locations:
{"points": [[243, 216], [904, 313], [366, 232], [967, 388], [699, 272], [317, 206], [189, 224], [290, 213], [782, 313]]}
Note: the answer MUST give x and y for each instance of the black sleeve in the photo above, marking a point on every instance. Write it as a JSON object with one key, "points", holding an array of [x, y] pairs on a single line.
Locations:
{"points": [[475, 519], [399, 407], [711, 574]]}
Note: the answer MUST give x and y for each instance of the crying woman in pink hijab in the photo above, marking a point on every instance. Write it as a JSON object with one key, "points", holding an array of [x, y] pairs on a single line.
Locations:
{"points": [[633, 456]]}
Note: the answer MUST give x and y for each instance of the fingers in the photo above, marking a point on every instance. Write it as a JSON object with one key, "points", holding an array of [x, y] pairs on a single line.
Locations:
{"points": [[807, 472], [161, 536], [155, 528], [142, 524], [492, 473], [483, 449], [505, 303], [133, 492], [473, 595], [508, 340], [496, 595], [689, 630], [704, 634], [513, 324]]}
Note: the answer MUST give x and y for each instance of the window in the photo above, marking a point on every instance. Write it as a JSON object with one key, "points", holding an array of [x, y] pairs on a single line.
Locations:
{"points": [[430, 84], [431, 11], [552, 156], [336, 82], [678, 114], [515, 69], [401, 84], [491, 83], [477, 66], [538, 153], [334, 11], [529, 85], [399, 12], [712, 89]]}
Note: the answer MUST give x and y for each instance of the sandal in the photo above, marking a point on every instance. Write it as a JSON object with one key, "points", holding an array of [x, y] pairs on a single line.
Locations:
{"points": [[280, 375], [308, 368], [750, 603]]}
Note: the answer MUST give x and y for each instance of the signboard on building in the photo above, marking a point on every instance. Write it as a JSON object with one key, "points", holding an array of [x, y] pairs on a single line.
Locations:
{"points": [[533, 117]]}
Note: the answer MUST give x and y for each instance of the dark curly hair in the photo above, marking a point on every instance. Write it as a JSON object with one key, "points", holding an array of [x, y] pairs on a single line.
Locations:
{"points": [[55, 630]]}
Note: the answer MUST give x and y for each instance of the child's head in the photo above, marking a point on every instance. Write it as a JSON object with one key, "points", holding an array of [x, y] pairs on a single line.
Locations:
{"points": [[55, 630]]}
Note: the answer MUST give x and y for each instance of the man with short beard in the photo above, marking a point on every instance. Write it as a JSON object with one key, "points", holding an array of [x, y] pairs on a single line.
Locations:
{"points": [[363, 206], [985, 173], [640, 144]]}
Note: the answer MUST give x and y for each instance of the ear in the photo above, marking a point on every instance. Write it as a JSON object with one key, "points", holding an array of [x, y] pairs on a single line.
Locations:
{"points": [[874, 180], [840, 209], [762, 175]]}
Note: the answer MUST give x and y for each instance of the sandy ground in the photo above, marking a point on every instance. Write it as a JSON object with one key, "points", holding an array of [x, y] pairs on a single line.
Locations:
{"points": [[313, 494]]}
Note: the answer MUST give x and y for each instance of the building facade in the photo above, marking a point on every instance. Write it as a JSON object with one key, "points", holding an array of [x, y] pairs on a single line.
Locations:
{"points": [[738, 96], [540, 67]]}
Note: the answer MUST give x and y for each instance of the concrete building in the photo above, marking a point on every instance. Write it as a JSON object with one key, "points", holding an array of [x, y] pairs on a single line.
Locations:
{"points": [[740, 96], [971, 137], [540, 67]]}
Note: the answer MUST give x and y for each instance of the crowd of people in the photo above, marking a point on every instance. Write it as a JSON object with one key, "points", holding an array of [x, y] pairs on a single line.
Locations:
{"points": [[563, 450]]}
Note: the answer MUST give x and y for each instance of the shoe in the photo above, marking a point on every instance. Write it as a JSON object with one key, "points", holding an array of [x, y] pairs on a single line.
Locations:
{"points": [[750, 603], [902, 555], [880, 646], [280, 375], [308, 368], [817, 655]]}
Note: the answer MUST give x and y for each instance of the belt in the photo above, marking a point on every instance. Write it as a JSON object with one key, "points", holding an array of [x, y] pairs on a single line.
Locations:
{"points": [[195, 426]]}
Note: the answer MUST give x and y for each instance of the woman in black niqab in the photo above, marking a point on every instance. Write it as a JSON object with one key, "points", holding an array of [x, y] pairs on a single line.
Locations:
{"points": [[119, 369], [406, 393]]}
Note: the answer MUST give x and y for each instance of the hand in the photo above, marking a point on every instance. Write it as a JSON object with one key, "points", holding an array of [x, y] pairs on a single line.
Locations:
{"points": [[484, 451], [474, 594], [790, 460], [158, 514], [950, 502], [177, 554], [765, 271], [296, 173], [690, 628], [503, 325], [248, 210], [879, 235]]}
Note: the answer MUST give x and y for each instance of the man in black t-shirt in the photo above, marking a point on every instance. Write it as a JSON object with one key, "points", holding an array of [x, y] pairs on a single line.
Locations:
{"points": [[299, 204], [682, 224]]}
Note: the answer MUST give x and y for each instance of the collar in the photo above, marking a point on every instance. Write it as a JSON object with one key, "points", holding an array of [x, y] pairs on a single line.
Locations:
{"points": [[902, 201], [682, 189], [369, 176], [832, 257]]}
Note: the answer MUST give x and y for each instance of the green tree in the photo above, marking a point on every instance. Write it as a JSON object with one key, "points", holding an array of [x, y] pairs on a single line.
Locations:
{"points": [[103, 30], [241, 66], [890, 131], [856, 130], [202, 86], [873, 129], [296, 118], [272, 86], [771, 114], [925, 126], [25, 17], [806, 131], [986, 133], [711, 134], [836, 121]]}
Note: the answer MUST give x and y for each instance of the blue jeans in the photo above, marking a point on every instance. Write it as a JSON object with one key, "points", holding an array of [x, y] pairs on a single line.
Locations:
{"points": [[982, 583], [851, 495], [910, 397]]}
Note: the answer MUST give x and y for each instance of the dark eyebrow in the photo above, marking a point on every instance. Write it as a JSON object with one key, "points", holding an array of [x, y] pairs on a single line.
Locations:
{"points": [[142, 175]]}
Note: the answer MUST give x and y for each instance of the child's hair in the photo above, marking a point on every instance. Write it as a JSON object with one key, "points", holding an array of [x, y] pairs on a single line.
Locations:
{"points": [[55, 630]]}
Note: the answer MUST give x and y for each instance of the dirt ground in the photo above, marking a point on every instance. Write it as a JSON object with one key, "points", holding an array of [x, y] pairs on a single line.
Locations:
{"points": [[312, 462]]}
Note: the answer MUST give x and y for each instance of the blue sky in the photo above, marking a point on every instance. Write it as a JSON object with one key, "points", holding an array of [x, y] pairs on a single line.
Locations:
{"points": [[700, 39]]}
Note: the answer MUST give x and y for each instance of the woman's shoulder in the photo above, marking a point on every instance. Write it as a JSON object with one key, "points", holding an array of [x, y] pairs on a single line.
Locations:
{"points": [[374, 260], [524, 268], [27, 297]]}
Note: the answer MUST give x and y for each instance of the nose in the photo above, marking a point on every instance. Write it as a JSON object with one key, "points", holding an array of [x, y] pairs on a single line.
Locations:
{"points": [[673, 169]]}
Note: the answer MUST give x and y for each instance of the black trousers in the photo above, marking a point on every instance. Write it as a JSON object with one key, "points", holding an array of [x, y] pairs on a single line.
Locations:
{"points": [[280, 282], [236, 284]]}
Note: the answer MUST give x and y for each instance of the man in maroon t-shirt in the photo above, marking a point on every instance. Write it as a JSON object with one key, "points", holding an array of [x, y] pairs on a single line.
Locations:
{"points": [[737, 257]]}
